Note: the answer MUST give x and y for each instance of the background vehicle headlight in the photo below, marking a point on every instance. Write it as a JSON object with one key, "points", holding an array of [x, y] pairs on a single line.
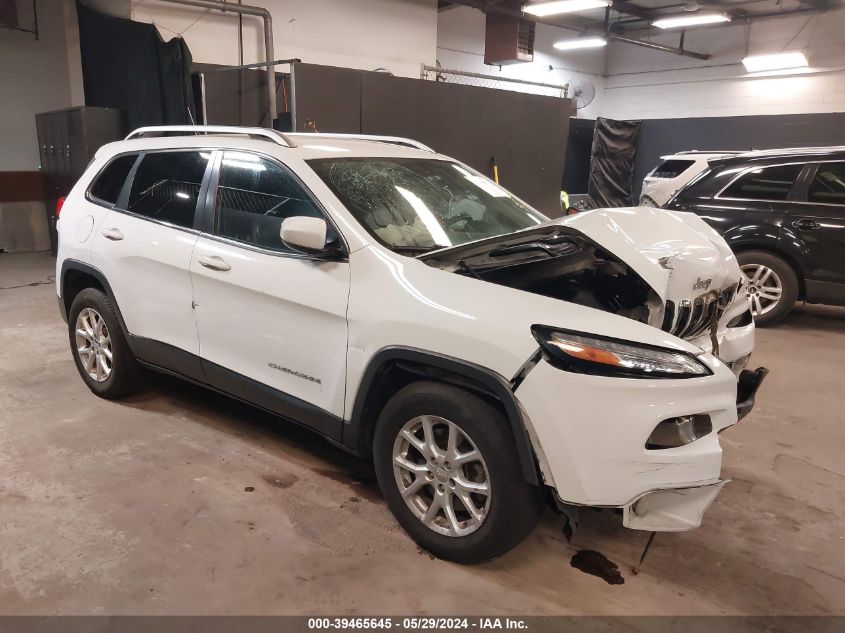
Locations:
{"points": [[591, 354]]}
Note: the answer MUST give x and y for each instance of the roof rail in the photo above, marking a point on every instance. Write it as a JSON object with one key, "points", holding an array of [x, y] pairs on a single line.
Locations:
{"points": [[394, 140], [822, 149], [709, 151], [186, 130]]}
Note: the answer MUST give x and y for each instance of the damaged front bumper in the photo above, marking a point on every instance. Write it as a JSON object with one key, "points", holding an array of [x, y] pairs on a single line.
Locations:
{"points": [[591, 438], [672, 510], [746, 389]]}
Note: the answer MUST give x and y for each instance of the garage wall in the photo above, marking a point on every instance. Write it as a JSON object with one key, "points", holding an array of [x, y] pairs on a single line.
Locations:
{"points": [[646, 84], [460, 46], [398, 35], [530, 158], [34, 78], [659, 137]]}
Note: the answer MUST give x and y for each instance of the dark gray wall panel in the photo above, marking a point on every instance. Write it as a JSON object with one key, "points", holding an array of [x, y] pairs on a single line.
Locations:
{"points": [[526, 133], [659, 137], [221, 95], [328, 96]]}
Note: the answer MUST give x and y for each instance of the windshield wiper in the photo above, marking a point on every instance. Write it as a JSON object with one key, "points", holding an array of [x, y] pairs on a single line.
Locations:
{"points": [[468, 269], [415, 249]]}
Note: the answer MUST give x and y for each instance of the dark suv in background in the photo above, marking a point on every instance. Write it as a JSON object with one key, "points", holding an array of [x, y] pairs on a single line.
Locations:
{"points": [[783, 214]]}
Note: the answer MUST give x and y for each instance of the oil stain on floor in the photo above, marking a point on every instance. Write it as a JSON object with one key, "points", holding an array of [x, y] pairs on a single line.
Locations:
{"points": [[597, 564]]}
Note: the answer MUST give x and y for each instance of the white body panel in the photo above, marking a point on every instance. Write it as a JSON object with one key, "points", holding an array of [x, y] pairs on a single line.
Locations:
{"points": [[79, 223], [272, 315], [592, 430], [147, 269], [595, 442], [461, 317]]}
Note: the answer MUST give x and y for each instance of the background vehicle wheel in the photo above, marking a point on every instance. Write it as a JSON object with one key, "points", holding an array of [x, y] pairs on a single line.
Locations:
{"points": [[772, 286], [446, 464], [99, 348]]}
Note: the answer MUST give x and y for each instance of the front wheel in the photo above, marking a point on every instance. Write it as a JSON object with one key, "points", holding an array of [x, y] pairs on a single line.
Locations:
{"points": [[447, 467], [771, 285]]}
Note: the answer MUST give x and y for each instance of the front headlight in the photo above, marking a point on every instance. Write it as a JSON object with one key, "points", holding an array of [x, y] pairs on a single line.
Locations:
{"points": [[591, 354]]}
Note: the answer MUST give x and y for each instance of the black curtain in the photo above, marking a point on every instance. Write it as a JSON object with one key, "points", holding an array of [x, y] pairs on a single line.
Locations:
{"points": [[127, 65], [612, 165]]}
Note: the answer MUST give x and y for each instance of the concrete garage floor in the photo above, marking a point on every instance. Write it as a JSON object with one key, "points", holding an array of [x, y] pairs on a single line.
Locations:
{"points": [[141, 506]]}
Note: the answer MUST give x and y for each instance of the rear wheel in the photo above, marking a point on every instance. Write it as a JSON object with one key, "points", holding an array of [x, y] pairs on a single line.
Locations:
{"points": [[100, 351], [447, 467], [771, 285]]}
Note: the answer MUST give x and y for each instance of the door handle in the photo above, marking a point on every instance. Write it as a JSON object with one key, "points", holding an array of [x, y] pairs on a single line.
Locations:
{"points": [[805, 224], [113, 234], [214, 263]]}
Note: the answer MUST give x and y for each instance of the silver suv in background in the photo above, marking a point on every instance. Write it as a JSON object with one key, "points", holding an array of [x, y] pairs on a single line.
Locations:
{"points": [[672, 173]]}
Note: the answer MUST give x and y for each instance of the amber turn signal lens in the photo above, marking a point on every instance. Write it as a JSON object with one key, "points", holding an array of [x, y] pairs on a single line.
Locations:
{"points": [[585, 352]]}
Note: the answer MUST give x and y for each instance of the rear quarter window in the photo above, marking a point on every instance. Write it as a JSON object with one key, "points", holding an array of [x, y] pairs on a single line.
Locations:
{"points": [[765, 183], [671, 168], [107, 185]]}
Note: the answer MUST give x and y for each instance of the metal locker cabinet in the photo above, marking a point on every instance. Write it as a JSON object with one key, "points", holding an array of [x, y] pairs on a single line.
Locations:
{"points": [[67, 141]]}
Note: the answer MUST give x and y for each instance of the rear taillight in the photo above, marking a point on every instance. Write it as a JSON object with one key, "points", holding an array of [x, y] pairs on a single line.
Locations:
{"points": [[59, 204]]}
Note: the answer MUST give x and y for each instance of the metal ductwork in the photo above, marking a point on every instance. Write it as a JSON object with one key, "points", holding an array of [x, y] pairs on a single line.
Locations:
{"points": [[264, 14]]}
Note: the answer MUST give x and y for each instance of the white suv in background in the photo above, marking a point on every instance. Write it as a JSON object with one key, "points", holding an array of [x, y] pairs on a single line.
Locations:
{"points": [[672, 173], [414, 312]]}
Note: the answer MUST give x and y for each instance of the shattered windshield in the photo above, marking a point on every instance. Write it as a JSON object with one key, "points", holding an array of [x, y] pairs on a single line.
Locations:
{"points": [[419, 204]]}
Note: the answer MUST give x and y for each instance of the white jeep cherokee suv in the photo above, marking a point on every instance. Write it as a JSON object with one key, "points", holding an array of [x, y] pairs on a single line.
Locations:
{"points": [[415, 313]]}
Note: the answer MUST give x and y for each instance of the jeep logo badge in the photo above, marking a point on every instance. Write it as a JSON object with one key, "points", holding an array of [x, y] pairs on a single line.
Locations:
{"points": [[702, 284]]}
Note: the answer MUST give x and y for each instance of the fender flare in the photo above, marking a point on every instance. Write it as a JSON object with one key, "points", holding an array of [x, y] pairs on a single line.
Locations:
{"points": [[74, 264], [357, 432]]}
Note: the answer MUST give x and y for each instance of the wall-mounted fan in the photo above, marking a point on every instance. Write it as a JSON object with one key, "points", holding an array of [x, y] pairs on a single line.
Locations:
{"points": [[582, 92]]}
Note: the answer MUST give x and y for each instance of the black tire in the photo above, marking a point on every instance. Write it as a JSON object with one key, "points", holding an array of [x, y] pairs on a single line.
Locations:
{"points": [[126, 376], [514, 505], [788, 281]]}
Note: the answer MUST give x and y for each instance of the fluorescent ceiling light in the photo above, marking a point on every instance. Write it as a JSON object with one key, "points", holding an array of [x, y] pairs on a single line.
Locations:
{"points": [[691, 20], [580, 42], [542, 9], [775, 61]]}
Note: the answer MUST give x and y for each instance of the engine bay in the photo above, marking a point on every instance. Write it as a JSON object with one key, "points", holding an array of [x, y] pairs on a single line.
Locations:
{"points": [[555, 262]]}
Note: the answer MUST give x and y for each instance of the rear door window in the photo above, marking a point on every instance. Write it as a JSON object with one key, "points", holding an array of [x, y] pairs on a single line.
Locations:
{"points": [[671, 168], [765, 183], [828, 187], [107, 186], [167, 185]]}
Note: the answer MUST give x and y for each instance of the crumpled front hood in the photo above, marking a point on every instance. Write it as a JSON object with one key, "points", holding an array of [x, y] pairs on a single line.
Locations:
{"points": [[676, 253]]}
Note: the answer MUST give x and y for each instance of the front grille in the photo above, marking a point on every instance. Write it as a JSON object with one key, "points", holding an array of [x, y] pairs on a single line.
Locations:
{"points": [[690, 319]]}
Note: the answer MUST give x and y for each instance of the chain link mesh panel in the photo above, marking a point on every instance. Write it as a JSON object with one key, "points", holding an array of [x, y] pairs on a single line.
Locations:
{"points": [[435, 73]]}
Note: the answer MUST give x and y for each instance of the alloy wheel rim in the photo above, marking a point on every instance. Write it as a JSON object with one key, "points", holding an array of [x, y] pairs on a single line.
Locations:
{"points": [[764, 288], [441, 476], [93, 345]]}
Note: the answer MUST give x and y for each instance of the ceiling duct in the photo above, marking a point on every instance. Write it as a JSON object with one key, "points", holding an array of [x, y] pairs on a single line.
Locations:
{"points": [[508, 39]]}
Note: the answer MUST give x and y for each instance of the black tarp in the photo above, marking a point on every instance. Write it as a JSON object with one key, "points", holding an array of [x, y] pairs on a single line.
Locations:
{"points": [[612, 164], [127, 65]]}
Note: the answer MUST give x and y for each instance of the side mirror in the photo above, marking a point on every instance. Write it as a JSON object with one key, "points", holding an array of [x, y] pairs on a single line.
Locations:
{"points": [[304, 233]]}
